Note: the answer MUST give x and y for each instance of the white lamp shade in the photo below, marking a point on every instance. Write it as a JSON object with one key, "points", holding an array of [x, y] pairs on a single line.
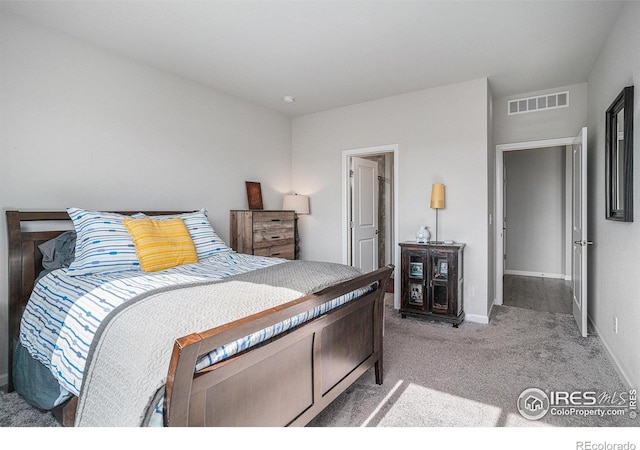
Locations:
{"points": [[297, 203]]}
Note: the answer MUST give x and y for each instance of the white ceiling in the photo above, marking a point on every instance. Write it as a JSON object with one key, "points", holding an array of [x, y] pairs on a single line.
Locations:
{"points": [[329, 54]]}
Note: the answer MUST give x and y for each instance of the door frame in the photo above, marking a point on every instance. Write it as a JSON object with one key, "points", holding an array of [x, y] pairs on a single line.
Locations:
{"points": [[499, 222], [346, 230]]}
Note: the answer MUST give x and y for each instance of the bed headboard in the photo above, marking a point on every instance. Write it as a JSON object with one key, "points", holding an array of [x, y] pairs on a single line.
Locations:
{"points": [[25, 261]]}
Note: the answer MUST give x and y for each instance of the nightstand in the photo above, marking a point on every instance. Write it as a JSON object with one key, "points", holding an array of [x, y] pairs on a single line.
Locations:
{"points": [[432, 281]]}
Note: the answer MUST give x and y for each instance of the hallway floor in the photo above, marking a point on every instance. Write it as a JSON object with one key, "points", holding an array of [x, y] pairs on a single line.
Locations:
{"points": [[539, 294]]}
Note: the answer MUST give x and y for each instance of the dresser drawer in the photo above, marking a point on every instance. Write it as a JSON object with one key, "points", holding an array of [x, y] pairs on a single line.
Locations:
{"points": [[277, 251], [270, 220], [275, 236]]}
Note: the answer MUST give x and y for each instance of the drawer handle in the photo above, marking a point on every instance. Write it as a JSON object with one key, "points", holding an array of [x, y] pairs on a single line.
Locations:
{"points": [[275, 254], [275, 220], [275, 237]]}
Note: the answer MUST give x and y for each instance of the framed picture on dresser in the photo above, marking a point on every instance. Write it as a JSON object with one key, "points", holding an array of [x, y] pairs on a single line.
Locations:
{"points": [[254, 195]]}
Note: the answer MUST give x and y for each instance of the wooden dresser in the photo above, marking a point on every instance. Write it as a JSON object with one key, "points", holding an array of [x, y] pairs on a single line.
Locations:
{"points": [[263, 233]]}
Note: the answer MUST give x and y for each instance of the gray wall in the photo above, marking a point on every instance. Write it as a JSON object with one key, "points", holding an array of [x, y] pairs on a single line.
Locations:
{"points": [[442, 136], [545, 124], [84, 127], [614, 284], [535, 210]]}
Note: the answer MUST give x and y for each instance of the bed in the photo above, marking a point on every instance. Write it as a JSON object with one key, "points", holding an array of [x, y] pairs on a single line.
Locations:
{"points": [[278, 363]]}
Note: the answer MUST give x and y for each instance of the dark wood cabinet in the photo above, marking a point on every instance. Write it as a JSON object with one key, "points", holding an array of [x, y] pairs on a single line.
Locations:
{"points": [[432, 281], [263, 233]]}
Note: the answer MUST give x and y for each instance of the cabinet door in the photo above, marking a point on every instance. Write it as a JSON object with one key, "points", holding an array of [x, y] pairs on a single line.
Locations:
{"points": [[414, 292], [440, 273]]}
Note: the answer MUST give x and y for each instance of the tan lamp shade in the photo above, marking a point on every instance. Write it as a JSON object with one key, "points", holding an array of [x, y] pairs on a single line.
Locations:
{"points": [[297, 203], [437, 196]]}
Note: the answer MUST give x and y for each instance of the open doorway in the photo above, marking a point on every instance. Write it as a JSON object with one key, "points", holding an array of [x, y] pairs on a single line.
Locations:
{"points": [[537, 229], [576, 159], [534, 215], [370, 219]]}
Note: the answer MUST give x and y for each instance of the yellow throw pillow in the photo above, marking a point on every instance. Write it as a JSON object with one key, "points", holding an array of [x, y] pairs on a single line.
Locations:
{"points": [[161, 244]]}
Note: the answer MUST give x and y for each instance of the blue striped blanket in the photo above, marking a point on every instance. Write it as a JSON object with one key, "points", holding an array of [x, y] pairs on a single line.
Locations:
{"points": [[64, 311]]}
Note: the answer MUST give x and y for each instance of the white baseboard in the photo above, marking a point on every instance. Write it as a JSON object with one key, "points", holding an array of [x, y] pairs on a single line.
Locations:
{"points": [[625, 376], [524, 273], [476, 318]]}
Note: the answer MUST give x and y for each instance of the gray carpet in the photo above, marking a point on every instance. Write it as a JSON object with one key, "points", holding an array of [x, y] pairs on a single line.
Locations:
{"points": [[440, 376], [15, 412]]}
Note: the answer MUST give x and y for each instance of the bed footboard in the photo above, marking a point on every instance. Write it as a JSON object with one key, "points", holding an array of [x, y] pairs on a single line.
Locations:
{"points": [[291, 378]]}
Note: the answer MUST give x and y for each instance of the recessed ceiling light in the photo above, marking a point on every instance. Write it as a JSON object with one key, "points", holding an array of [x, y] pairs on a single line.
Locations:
{"points": [[288, 99]]}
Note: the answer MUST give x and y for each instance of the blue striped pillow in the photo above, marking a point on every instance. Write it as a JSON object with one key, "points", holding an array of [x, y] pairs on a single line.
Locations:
{"points": [[103, 244], [204, 237]]}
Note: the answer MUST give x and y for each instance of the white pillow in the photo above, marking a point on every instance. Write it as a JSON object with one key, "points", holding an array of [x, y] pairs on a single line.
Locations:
{"points": [[103, 244]]}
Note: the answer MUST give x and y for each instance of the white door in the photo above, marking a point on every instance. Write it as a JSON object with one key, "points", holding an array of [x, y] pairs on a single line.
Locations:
{"points": [[579, 235], [364, 214]]}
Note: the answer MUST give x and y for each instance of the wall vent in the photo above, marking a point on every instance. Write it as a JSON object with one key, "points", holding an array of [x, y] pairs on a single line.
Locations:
{"points": [[538, 103]]}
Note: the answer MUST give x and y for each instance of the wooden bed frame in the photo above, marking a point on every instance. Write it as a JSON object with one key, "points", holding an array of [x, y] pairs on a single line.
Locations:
{"points": [[285, 381]]}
